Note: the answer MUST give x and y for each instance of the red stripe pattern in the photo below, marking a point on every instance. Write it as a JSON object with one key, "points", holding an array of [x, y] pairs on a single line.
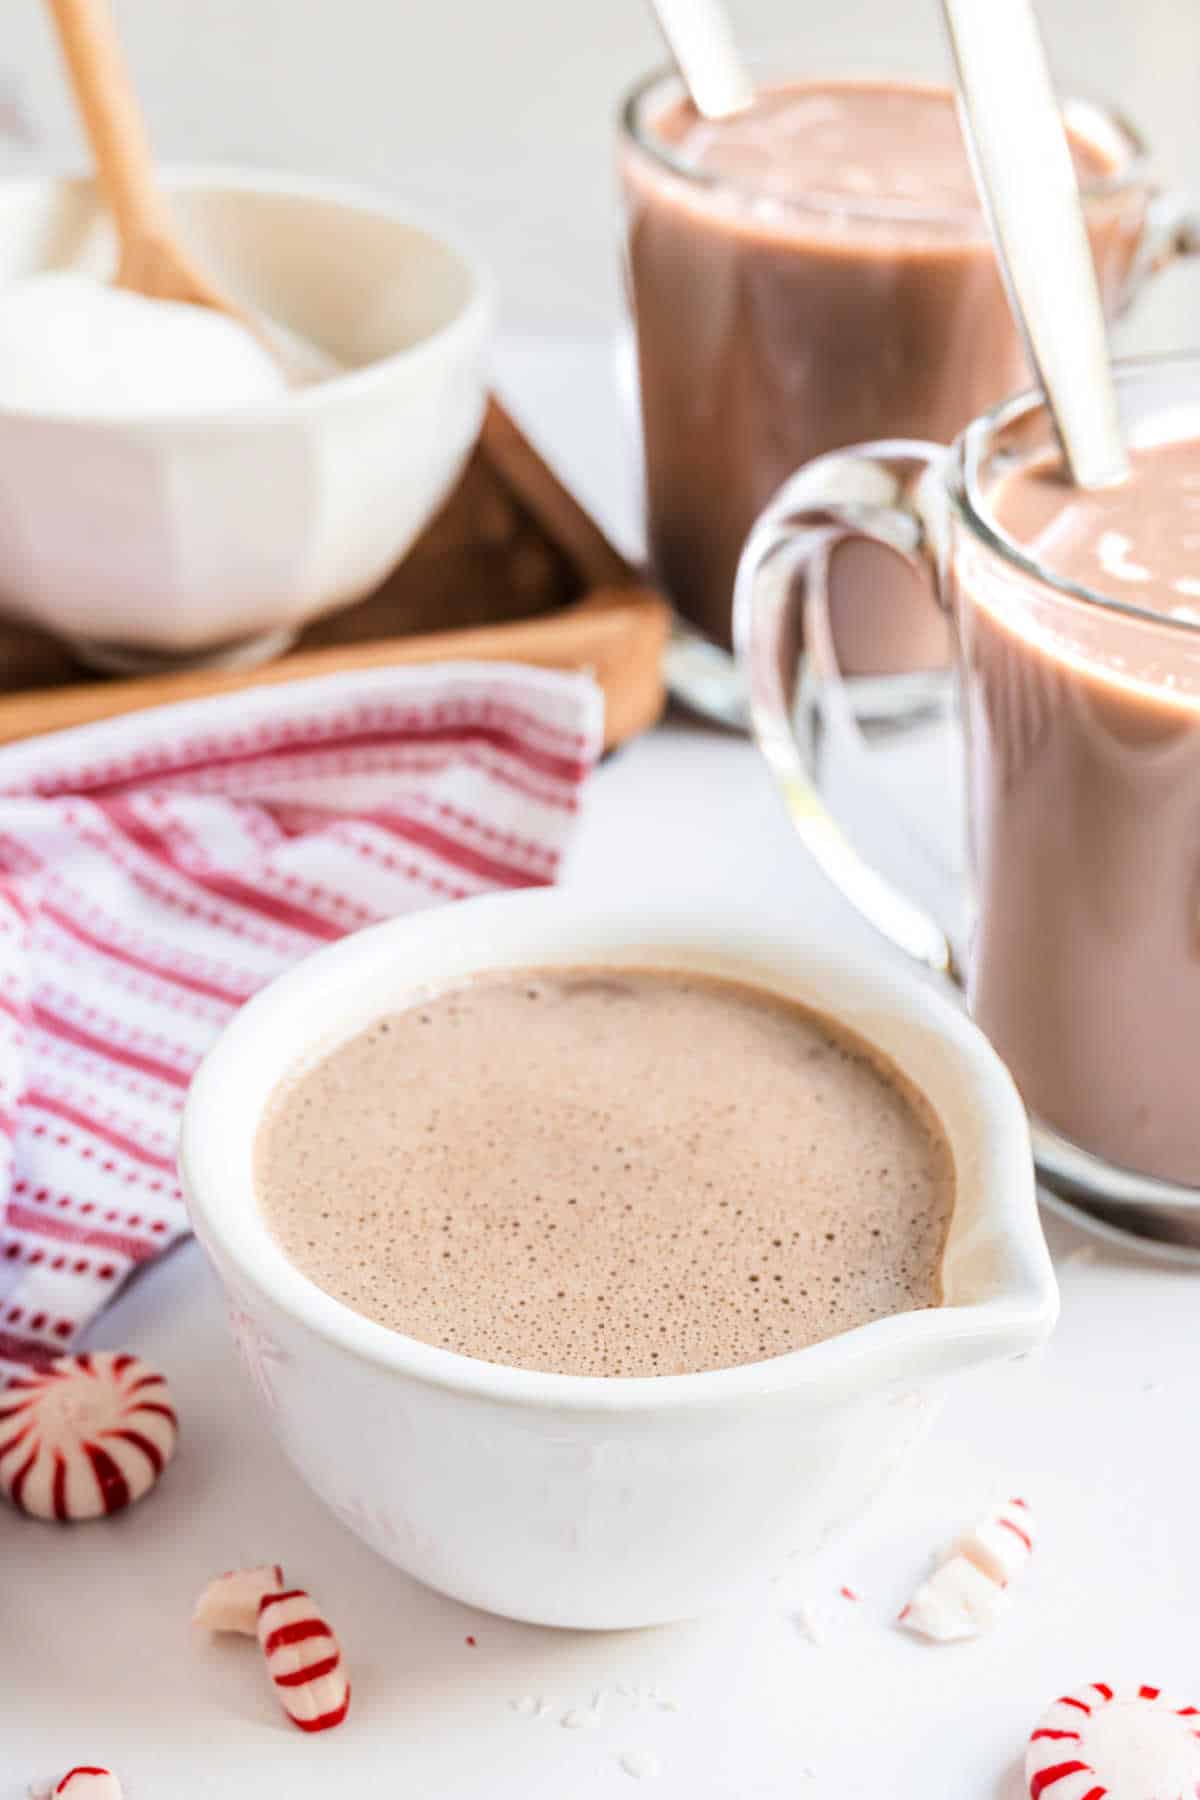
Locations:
{"points": [[1054, 1775], [1104, 1743], [89, 1782], [155, 871], [86, 1437], [1002, 1543], [303, 1660]]}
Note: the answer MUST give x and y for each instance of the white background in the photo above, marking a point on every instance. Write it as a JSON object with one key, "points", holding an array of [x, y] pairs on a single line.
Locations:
{"points": [[97, 1662], [497, 114]]}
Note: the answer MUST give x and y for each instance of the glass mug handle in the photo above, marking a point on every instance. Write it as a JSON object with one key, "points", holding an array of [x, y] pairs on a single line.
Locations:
{"points": [[889, 494], [1172, 231]]}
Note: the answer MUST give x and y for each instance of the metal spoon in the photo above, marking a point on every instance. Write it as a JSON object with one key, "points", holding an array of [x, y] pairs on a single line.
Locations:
{"points": [[700, 39], [1026, 179]]}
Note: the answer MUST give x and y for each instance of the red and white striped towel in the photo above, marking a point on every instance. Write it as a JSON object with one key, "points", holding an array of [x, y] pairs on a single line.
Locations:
{"points": [[155, 870]]}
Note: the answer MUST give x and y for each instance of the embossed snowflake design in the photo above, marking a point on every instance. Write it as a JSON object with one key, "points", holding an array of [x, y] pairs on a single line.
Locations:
{"points": [[260, 1353]]}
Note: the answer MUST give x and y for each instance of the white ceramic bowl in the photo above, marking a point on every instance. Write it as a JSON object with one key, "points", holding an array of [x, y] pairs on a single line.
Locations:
{"points": [[168, 539], [590, 1501]]}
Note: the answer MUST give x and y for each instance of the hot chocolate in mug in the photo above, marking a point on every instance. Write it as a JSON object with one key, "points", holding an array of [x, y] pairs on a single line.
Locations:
{"points": [[1078, 713], [811, 274]]}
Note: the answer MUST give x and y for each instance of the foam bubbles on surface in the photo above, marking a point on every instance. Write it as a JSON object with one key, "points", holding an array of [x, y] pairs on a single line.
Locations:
{"points": [[614, 1172], [867, 141]]}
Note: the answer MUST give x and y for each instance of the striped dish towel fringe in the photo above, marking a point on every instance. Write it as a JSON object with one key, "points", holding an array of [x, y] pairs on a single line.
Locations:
{"points": [[155, 870]]}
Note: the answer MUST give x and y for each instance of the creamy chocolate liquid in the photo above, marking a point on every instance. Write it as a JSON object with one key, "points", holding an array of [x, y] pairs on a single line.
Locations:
{"points": [[1085, 776], [609, 1172], [823, 277]]}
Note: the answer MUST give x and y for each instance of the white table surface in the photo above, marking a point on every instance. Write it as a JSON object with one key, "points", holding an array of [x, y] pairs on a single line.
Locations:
{"points": [[98, 1663]]}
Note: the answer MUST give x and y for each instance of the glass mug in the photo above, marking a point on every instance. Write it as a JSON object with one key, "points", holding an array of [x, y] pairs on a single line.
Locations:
{"points": [[770, 330], [1079, 947]]}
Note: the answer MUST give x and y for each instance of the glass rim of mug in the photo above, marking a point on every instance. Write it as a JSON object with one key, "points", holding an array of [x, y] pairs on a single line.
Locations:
{"points": [[962, 483], [1132, 169]]}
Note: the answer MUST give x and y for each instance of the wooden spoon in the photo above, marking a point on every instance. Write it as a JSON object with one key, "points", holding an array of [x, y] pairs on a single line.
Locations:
{"points": [[152, 260]]}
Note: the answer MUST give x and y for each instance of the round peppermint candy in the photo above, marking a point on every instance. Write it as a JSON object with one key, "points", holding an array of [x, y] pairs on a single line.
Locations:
{"points": [[1103, 1743], [86, 1437]]}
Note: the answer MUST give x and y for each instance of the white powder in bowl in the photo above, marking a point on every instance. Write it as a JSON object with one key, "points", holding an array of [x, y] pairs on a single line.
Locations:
{"points": [[70, 344]]}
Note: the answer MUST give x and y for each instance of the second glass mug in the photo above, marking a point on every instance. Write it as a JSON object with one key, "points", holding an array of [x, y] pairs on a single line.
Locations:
{"points": [[1080, 720], [771, 330]]}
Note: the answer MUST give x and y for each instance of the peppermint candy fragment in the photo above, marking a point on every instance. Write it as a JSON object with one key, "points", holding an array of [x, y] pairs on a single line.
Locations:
{"points": [[86, 1437], [958, 1601], [1104, 1744], [1002, 1544], [303, 1660], [969, 1590], [231, 1601], [89, 1783]]}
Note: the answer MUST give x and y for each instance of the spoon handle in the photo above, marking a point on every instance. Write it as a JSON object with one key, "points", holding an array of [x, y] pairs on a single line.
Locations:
{"points": [[1026, 178], [111, 115], [700, 38]]}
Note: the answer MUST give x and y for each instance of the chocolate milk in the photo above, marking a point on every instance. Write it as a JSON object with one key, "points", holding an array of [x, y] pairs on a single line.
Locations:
{"points": [[555, 1170], [1085, 789], [807, 276]]}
